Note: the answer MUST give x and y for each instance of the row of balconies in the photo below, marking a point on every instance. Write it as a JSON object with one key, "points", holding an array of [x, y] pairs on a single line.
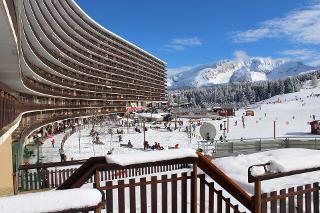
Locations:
{"points": [[114, 80], [110, 39], [114, 56], [102, 61], [47, 89], [74, 56], [76, 66], [86, 87]]}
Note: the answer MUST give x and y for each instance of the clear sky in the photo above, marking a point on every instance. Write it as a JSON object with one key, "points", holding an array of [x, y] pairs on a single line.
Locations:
{"points": [[191, 32]]}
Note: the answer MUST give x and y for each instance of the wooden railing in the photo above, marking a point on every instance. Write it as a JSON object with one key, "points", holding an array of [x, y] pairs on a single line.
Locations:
{"points": [[303, 198], [53, 175], [184, 185]]}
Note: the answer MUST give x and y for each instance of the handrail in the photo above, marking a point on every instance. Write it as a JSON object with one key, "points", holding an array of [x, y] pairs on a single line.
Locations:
{"points": [[94, 164], [54, 164], [269, 176], [81, 175], [88, 169], [224, 181]]}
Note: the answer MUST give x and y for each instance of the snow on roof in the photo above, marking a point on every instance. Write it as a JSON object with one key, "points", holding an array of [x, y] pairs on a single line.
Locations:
{"points": [[51, 201], [152, 156]]}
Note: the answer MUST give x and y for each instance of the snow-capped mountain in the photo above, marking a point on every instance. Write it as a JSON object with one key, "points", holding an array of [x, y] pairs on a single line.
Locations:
{"points": [[228, 71]]}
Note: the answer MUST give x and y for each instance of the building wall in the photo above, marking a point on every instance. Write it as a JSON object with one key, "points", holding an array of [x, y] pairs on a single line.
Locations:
{"points": [[6, 179]]}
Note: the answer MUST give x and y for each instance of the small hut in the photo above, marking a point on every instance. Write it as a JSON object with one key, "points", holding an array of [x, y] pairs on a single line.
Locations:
{"points": [[315, 127], [249, 112]]}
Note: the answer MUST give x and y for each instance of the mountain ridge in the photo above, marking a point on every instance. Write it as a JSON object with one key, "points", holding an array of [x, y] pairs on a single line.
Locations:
{"points": [[230, 71]]}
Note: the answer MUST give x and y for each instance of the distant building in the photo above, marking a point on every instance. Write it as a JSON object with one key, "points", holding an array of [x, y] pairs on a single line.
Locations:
{"points": [[249, 112], [224, 111]]}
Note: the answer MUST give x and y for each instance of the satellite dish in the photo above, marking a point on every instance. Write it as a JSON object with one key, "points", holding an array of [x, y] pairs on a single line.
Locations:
{"points": [[208, 131]]}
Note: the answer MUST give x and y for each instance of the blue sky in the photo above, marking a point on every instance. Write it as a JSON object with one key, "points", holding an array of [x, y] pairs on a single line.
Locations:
{"points": [[191, 32]]}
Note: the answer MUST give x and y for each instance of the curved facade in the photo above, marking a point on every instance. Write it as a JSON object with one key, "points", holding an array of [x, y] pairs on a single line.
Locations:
{"points": [[64, 58], [58, 63]]}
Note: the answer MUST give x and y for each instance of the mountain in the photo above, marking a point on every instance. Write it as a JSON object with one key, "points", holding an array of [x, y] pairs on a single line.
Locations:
{"points": [[229, 71]]}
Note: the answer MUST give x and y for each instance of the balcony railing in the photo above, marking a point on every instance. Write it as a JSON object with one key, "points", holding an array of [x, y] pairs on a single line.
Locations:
{"points": [[109, 41], [90, 63]]}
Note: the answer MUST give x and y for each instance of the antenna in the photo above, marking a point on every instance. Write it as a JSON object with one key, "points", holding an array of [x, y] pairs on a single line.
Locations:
{"points": [[208, 131]]}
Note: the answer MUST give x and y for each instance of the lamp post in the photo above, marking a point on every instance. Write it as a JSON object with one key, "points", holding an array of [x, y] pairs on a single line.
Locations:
{"points": [[224, 131]]}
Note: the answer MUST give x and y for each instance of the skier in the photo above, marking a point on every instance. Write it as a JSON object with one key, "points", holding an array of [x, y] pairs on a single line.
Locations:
{"points": [[52, 142], [242, 118], [62, 155], [221, 126], [130, 144]]}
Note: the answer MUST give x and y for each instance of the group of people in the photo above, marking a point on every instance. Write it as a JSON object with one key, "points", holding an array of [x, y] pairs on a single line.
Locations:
{"points": [[156, 146]]}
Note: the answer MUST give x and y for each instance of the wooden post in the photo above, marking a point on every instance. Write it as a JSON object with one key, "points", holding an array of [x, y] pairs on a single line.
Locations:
{"points": [[257, 197], [194, 188], [97, 179]]}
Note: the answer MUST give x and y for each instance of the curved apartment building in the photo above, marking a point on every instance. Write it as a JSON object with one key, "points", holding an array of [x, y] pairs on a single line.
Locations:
{"points": [[56, 63]]}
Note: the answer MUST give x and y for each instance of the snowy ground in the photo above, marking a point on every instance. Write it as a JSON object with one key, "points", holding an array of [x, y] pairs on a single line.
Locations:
{"points": [[292, 112]]}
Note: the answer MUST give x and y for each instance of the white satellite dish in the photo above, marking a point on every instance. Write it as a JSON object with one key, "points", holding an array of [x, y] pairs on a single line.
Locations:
{"points": [[208, 131]]}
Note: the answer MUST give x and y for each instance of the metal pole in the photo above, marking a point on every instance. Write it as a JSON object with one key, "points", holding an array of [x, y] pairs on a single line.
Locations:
{"points": [[190, 130], [127, 122], [274, 129], [227, 124], [144, 131], [224, 131], [79, 138]]}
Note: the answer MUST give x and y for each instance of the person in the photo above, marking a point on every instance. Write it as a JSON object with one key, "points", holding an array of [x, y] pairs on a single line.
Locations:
{"points": [[221, 126], [52, 142], [62, 154], [176, 146], [221, 138], [236, 123], [160, 147], [130, 144], [145, 145], [120, 138], [194, 127]]}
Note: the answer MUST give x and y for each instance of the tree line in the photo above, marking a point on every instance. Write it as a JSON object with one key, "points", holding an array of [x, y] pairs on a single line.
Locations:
{"points": [[240, 94]]}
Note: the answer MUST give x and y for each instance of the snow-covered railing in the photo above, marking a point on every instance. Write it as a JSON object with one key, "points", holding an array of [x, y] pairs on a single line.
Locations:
{"points": [[304, 198], [156, 169], [52, 175], [71, 200]]}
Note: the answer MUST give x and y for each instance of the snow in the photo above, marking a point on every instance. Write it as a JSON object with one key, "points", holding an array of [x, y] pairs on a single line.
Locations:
{"points": [[281, 108], [51, 201], [236, 167], [257, 170], [292, 112], [152, 156], [291, 164]]}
